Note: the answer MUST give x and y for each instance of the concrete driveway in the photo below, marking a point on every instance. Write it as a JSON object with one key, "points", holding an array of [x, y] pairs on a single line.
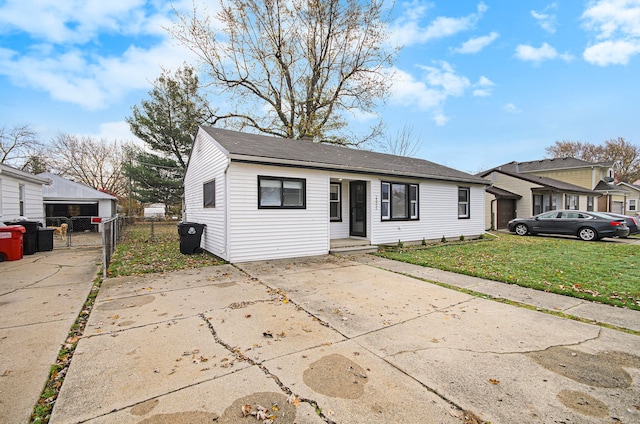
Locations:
{"points": [[329, 339], [40, 299]]}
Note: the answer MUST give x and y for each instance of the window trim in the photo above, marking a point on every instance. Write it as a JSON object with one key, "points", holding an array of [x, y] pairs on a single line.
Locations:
{"points": [[467, 203], [204, 194], [339, 202], [632, 205], [282, 180], [408, 201]]}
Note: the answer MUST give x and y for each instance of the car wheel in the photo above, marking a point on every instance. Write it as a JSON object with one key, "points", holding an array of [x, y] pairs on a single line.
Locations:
{"points": [[587, 234], [521, 229]]}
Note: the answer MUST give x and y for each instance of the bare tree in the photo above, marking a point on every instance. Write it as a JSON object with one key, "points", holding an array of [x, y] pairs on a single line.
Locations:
{"points": [[294, 68], [94, 162], [625, 155], [403, 143], [18, 145]]}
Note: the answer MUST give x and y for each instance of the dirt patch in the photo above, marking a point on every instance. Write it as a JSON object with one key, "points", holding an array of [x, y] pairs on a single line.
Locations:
{"points": [[601, 370], [336, 376], [275, 404], [583, 403], [133, 302], [188, 417], [144, 408]]}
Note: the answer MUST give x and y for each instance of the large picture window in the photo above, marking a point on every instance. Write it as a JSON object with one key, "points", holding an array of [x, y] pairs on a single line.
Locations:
{"points": [[209, 194], [283, 193], [572, 202], [398, 201], [335, 202], [463, 202]]}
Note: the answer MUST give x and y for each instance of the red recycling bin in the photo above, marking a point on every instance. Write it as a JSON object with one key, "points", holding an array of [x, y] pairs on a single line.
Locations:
{"points": [[11, 242]]}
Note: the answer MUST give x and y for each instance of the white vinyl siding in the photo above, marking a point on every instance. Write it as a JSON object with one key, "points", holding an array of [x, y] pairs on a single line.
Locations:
{"points": [[10, 203], [259, 234], [340, 229]]}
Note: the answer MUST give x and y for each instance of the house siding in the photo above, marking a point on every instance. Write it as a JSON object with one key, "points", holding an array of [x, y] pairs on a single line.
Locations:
{"points": [[260, 234], [33, 205], [207, 162], [338, 230], [524, 206]]}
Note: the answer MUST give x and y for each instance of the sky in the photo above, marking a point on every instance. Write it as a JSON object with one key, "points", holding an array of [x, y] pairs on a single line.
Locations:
{"points": [[480, 83]]}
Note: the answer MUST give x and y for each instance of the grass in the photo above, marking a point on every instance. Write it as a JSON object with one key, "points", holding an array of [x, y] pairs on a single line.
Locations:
{"points": [[146, 248], [598, 271]]}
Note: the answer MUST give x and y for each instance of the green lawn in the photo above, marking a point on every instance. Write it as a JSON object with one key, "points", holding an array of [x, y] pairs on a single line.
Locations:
{"points": [[603, 271], [142, 251]]}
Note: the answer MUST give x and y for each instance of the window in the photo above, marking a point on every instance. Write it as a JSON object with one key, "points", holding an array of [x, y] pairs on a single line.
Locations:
{"points": [[21, 197], [590, 203], [572, 202], [633, 205], [399, 201], [335, 201], [537, 204], [209, 194], [463, 202], [283, 193]]}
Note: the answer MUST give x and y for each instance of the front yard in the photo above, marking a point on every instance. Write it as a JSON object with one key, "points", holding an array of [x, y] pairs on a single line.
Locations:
{"points": [[604, 271]]}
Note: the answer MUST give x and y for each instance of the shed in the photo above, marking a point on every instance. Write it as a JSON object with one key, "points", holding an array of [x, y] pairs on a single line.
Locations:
{"points": [[20, 194]]}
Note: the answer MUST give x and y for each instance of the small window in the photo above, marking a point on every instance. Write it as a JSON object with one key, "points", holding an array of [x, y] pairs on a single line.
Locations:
{"points": [[463, 202], [399, 201], [572, 202], [335, 202], [590, 204], [633, 205], [22, 195], [209, 194], [283, 193]]}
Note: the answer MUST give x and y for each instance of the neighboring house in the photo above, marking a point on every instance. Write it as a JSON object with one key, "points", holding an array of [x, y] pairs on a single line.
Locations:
{"points": [[263, 197], [633, 198], [155, 211], [86, 206], [549, 184], [20, 195]]}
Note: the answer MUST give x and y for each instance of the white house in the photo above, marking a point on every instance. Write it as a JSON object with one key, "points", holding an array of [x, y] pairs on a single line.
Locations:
{"points": [[155, 211], [20, 195], [263, 197]]}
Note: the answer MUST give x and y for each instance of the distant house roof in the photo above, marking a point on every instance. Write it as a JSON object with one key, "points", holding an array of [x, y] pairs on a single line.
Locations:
{"points": [[548, 165], [257, 148], [610, 187], [16, 173], [627, 186], [501, 193], [550, 183], [61, 188]]}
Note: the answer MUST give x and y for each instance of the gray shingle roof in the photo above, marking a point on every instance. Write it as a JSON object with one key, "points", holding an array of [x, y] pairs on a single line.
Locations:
{"points": [[547, 165], [266, 149], [64, 189], [548, 182]]}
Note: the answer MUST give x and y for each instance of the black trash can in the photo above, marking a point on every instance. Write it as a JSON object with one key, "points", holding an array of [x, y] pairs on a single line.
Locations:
{"points": [[190, 236], [45, 239], [30, 237]]}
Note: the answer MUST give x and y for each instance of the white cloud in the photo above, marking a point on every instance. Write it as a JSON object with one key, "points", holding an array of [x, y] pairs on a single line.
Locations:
{"points": [[408, 29], [511, 108], [546, 20], [483, 87], [474, 45], [430, 91], [540, 54], [616, 26], [116, 131]]}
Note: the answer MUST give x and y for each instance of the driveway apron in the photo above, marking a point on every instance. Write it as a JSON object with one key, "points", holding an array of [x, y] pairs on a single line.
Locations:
{"points": [[41, 296], [328, 339]]}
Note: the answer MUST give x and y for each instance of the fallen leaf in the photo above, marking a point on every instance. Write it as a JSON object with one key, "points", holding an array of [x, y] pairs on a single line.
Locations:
{"points": [[268, 334], [494, 381], [293, 400], [246, 410]]}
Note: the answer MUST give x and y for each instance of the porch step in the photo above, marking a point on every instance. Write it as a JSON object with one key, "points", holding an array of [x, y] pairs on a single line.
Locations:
{"points": [[353, 249]]}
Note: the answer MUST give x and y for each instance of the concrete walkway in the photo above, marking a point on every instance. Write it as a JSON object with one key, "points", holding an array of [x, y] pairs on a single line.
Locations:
{"points": [[40, 299], [333, 339]]}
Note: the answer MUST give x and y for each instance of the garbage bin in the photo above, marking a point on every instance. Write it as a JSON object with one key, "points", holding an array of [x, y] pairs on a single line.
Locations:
{"points": [[190, 235], [11, 242], [30, 237], [45, 239]]}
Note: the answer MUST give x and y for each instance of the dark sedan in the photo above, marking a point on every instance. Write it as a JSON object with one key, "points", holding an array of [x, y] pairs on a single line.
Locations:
{"points": [[632, 222], [587, 226]]}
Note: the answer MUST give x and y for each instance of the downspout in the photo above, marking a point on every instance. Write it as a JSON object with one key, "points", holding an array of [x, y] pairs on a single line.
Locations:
{"points": [[493, 216], [225, 241]]}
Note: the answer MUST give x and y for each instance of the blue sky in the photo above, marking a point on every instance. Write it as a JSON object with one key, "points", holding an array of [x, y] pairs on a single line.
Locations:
{"points": [[480, 82]]}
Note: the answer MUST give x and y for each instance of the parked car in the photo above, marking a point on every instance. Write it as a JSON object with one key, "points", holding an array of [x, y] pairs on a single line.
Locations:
{"points": [[587, 226], [632, 222]]}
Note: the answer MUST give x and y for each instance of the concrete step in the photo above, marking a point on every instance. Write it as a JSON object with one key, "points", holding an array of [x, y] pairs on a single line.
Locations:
{"points": [[353, 249]]}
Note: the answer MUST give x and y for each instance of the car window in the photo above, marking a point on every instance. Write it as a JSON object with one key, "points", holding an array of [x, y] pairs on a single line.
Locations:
{"points": [[569, 215], [548, 215]]}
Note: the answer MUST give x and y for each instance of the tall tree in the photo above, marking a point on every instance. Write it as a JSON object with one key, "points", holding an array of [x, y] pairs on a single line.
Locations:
{"points": [[296, 68], [403, 143], [96, 163], [18, 145], [167, 121], [625, 155]]}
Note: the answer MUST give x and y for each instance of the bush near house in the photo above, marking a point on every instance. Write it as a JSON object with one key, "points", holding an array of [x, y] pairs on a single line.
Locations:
{"points": [[602, 271]]}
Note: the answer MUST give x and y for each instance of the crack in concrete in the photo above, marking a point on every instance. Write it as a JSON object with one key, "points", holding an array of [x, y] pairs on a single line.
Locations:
{"points": [[34, 283], [238, 355]]}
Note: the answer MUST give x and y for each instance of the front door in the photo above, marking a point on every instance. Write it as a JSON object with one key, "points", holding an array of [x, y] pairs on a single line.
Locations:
{"points": [[358, 208], [506, 212]]}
